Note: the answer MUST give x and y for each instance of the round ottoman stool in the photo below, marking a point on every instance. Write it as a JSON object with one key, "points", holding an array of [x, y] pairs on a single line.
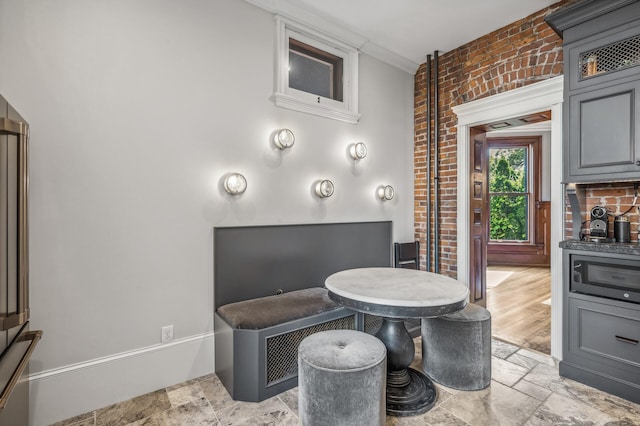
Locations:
{"points": [[342, 379], [456, 348]]}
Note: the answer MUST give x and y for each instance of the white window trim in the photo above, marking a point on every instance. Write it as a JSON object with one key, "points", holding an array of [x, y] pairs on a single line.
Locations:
{"points": [[529, 193], [297, 100]]}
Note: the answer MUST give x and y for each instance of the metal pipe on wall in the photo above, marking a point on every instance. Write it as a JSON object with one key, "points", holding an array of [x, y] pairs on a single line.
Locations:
{"points": [[436, 176], [428, 113]]}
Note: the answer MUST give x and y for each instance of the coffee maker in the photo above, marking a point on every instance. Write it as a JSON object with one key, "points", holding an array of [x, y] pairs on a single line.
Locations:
{"points": [[599, 224]]}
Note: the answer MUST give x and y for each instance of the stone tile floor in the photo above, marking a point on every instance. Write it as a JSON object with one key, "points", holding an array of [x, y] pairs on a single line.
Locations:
{"points": [[525, 390]]}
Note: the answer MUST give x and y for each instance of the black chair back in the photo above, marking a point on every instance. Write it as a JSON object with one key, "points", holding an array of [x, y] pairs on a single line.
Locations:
{"points": [[407, 255]]}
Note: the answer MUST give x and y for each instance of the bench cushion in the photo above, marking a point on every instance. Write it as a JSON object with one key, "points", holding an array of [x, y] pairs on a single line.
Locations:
{"points": [[263, 312]]}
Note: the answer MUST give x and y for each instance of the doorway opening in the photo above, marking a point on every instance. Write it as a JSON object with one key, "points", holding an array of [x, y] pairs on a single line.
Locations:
{"points": [[542, 96], [517, 228]]}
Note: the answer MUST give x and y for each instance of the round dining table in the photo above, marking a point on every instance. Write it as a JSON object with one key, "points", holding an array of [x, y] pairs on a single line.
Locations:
{"points": [[396, 294]]}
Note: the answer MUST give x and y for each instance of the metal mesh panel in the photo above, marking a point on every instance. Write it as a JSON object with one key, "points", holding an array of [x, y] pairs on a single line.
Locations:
{"points": [[372, 323], [613, 57], [282, 350]]}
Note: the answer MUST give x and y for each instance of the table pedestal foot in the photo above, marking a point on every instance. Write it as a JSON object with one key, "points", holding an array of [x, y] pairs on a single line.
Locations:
{"points": [[409, 392], [418, 397]]}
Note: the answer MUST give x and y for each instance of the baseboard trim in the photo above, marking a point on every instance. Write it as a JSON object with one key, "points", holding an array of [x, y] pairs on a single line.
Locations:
{"points": [[110, 358], [600, 380], [68, 391]]}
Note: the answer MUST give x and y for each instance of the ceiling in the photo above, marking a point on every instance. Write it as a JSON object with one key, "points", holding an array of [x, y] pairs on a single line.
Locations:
{"points": [[402, 32]]}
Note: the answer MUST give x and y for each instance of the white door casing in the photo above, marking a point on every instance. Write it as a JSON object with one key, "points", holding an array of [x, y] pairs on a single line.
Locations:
{"points": [[541, 96]]}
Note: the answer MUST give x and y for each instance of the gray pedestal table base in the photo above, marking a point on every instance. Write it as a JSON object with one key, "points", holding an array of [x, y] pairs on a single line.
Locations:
{"points": [[396, 294], [409, 392]]}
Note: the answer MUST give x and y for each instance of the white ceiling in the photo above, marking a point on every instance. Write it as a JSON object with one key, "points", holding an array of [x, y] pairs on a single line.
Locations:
{"points": [[402, 32]]}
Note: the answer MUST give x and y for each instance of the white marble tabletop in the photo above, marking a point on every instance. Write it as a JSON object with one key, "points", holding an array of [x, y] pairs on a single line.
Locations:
{"points": [[397, 287]]}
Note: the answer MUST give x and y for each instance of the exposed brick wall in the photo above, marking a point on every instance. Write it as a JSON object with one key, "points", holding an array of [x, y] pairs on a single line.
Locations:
{"points": [[616, 197], [524, 52]]}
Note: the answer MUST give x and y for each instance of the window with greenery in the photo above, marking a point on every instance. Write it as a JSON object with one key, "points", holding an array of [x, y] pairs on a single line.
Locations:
{"points": [[510, 193]]}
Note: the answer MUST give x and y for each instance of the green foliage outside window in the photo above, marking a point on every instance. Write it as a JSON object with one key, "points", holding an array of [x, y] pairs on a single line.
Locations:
{"points": [[508, 194]]}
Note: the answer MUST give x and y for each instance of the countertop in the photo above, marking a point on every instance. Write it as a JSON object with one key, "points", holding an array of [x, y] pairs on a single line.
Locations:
{"points": [[616, 248]]}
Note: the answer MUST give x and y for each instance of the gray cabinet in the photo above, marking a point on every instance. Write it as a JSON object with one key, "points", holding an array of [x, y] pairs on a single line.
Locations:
{"points": [[605, 334], [601, 337], [602, 90], [603, 140]]}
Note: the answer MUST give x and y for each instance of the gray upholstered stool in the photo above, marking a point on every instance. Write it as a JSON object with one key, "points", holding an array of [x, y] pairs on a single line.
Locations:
{"points": [[342, 379], [456, 348]]}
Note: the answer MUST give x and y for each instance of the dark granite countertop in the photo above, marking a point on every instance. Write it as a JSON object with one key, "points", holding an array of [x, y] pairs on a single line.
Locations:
{"points": [[618, 248]]}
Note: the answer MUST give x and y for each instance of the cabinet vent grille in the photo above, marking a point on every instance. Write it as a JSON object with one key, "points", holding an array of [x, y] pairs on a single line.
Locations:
{"points": [[282, 349], [613, 57]]}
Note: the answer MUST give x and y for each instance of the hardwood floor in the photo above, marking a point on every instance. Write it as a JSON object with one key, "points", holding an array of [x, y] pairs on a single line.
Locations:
{"points": [[518, 314]]}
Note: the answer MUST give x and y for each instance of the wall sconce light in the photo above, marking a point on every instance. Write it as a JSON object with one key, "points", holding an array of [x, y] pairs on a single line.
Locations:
{"points": [[358, 151], [324, 188], [284, 139], [386, 193], [235, 184]]}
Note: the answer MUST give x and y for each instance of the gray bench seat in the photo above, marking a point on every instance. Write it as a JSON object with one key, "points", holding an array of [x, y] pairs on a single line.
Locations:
{"points": [[256, 340], [263, 312]]}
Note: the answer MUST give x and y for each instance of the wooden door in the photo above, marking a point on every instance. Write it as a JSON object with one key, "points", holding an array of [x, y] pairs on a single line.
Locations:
{"points": [[479, 218]]}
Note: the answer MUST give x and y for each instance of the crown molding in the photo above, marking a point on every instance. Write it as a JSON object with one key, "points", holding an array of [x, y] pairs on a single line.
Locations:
{"points": [[582, 12], [295, 12], [389, 57]]}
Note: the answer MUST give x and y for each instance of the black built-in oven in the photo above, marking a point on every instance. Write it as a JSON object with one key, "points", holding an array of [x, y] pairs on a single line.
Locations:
{"points": [[606, 277]]}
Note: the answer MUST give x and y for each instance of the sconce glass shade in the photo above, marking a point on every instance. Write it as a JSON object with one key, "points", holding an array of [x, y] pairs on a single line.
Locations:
{"points": [[324, 188], [284, 139], [386, 193], [358, 151], [235, 184]]}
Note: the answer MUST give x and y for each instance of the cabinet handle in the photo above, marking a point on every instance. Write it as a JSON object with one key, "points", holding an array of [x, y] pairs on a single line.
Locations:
{"points": [[627, 340]]}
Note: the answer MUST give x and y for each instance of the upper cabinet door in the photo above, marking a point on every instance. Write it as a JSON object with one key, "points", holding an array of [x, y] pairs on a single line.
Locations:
{"points": [[604, 134]]}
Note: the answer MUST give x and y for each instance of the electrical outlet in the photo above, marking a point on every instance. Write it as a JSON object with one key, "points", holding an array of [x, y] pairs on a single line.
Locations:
{"points": [[167, 334]]}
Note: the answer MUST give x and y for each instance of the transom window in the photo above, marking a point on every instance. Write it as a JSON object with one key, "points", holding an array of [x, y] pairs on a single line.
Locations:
{"points": [[316, 74], [315, 71]]}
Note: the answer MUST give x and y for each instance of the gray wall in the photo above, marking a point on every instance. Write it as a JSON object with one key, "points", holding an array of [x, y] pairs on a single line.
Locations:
{"points": [[137, 109]]}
